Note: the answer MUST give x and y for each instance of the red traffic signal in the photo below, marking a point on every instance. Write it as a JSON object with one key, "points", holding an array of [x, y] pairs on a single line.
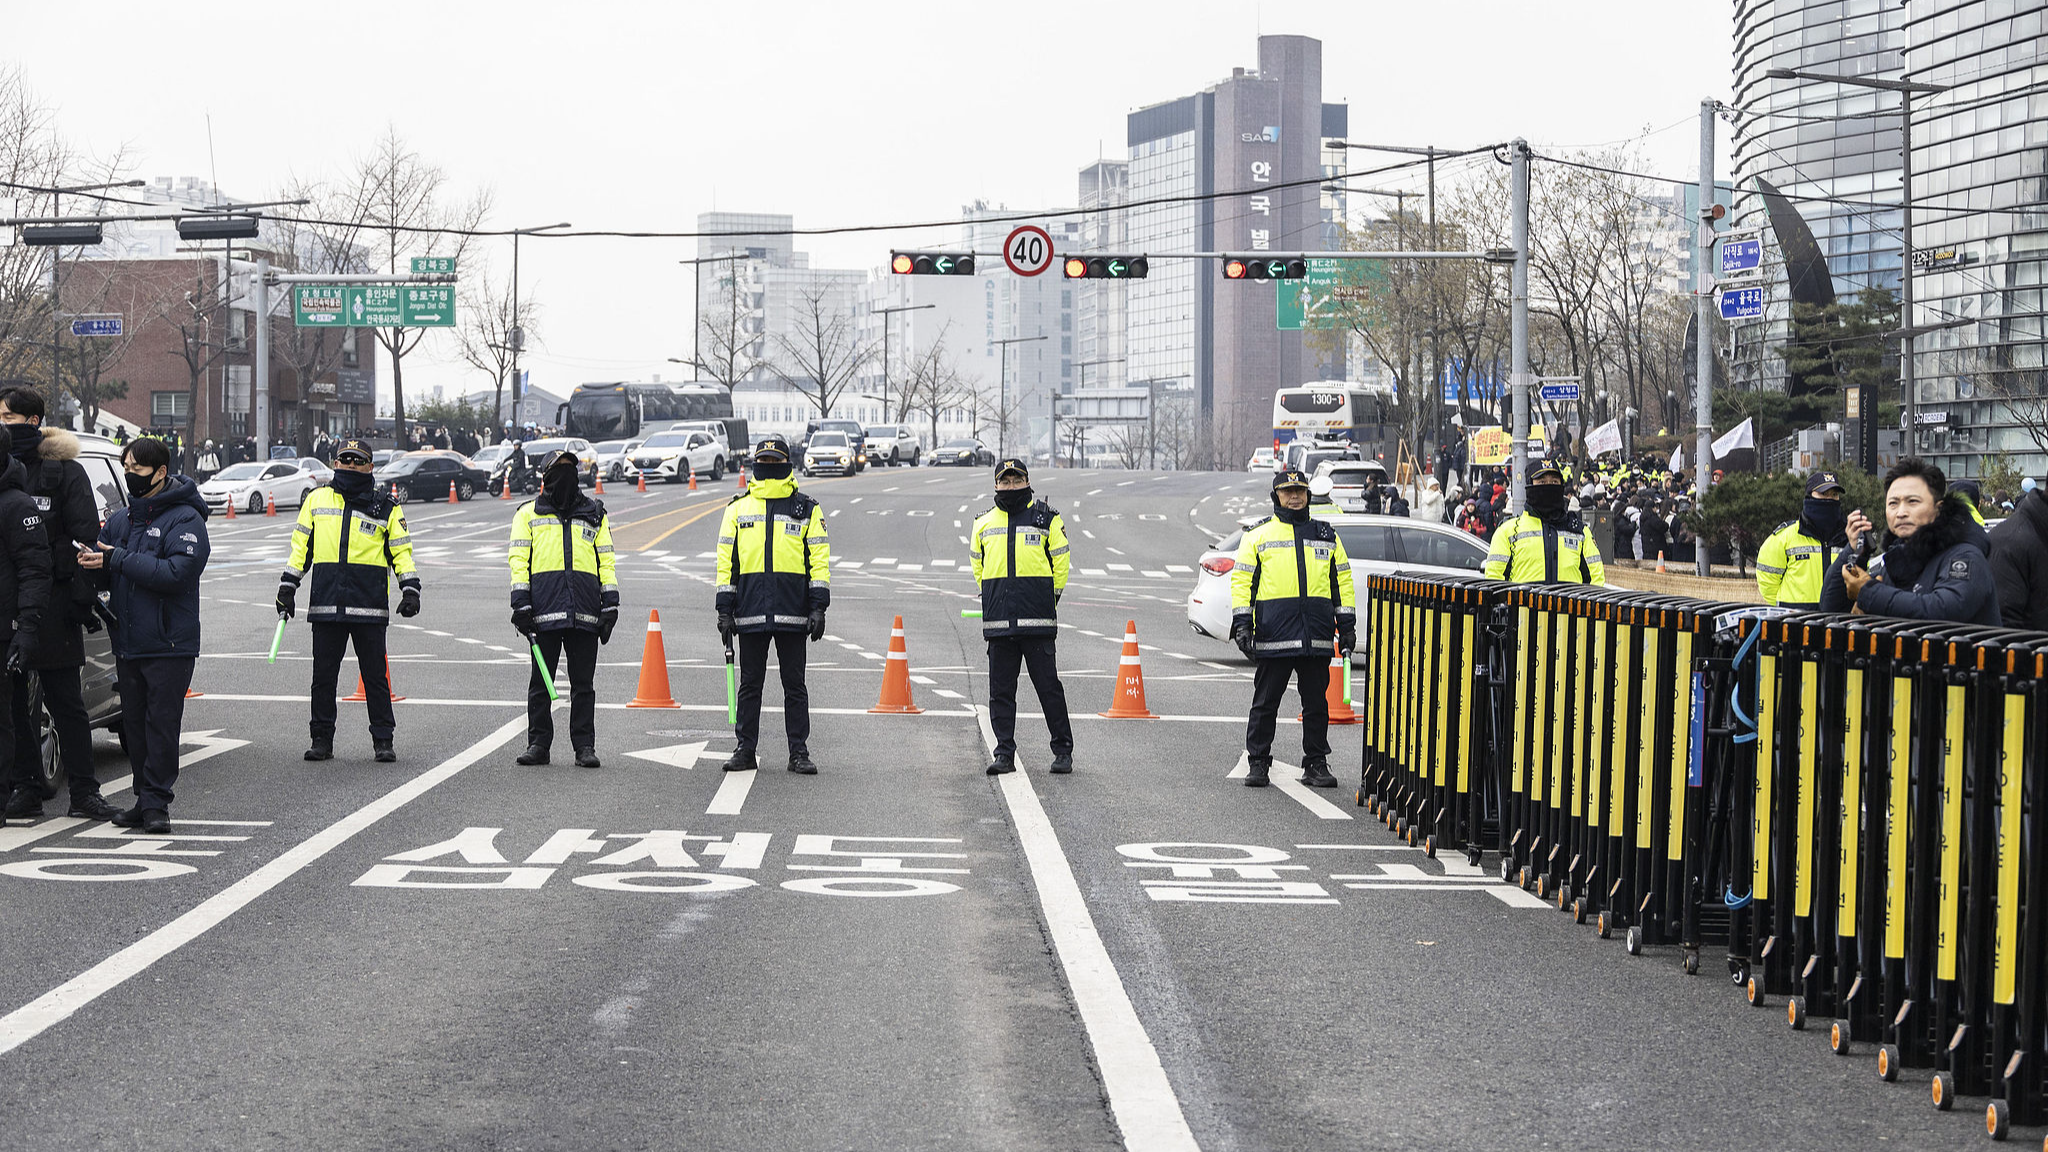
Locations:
{"points": [[1263, 268], [1234, 269], [931, 263], [1106, 267]]}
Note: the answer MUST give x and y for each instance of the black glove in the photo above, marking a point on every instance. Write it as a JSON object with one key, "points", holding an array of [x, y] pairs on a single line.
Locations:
{"points": [[17, 649], [817, 624], [408, 603], [286, 596], [91, 620], [522, 619], [726, 628], [1347, 639], [608, 620], [1241, 635]]}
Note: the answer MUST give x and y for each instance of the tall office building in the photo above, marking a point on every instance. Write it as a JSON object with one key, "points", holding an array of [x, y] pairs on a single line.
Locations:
{"points": [[1980, 228], [1235, 167], [1101, 307]]}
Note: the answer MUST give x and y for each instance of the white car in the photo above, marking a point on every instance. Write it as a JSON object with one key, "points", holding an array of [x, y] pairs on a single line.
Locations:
{"points": [[615, 458], [1347, 481], [253, 485], [830, 452], [1261, 461], [586, 456], [676, 454], [892, 444], [1377, 546]]}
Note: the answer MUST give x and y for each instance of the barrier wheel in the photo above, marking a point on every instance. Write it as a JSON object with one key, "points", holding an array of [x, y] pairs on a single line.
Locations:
{"points": [[1578, 911], [1998, 1120], [1692, 961], [1429, 847], [1507, 868], [1944, 1091], [1472, 856], [1604, 926], [1795, 1013], [1564, 897], [1634, 941], [1738, 971], [1888, 1062], [1358, 798], [1838, 1038], [1754, 991], [1414, 836]]}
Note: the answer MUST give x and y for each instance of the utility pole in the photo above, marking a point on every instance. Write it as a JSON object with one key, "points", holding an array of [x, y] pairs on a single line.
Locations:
{"points": [[259, 376], [1703, 312], [1518, 322]]}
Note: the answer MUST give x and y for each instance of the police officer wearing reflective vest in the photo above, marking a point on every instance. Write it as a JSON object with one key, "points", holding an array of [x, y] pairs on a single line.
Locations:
{"points": [[1793, 559], [351, 538], [1019, 552], [1547, 543], [774, 584], [1290, 592], [565, 596]]}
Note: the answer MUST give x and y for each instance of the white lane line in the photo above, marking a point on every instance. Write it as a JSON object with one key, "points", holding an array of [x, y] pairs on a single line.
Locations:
{"points": [[948, 694], [55, 1006], [1087, 533], [1140, 1097], [961, 508], [1118, 551], [1125, 483], [856, 500], [1280, 775], [732, 793], [891, 489]]}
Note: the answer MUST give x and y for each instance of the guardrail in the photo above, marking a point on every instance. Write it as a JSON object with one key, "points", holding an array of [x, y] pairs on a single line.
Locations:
{"points": [[1848, 803]]}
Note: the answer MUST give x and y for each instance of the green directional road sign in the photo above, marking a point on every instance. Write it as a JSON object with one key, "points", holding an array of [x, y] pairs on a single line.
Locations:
{"points": [[441, 264], [375, 306], [319, 306], [429, 307], [1326, 297]]}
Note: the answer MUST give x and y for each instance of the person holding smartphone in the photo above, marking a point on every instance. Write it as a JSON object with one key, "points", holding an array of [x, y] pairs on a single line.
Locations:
{"points": [[1937, 566]]}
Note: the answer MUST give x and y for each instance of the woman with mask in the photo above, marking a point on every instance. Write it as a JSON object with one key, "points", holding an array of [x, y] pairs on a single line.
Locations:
{"points": [[565, 595], [1547, 543], [1019, 554], [1795, 557]]}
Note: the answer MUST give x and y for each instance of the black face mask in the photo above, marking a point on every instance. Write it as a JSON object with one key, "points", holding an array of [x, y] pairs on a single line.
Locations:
{"points": [[562, 490], [26, 441], [1825, 517], [766, 471], [139, 486], [1546, 499], [1013, 499], [352, 483], [1288, 515]]}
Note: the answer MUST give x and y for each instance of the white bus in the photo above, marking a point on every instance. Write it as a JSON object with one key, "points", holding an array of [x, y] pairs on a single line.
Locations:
{"points": [[1333, 410]]}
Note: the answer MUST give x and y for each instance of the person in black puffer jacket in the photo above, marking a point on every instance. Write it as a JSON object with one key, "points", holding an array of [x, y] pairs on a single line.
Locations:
{"points": [[2019, 563], [1937, 569], [24, 594]]}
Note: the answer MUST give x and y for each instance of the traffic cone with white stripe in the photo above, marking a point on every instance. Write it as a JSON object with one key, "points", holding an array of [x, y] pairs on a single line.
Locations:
{"points": [[505, 489], [693, 479], [361, 695], [270, 505], [1129, 703], [600, 485], [231, 508], [643, 481], [452, 497], [1340, 708], [896, 676], [653, 691]]}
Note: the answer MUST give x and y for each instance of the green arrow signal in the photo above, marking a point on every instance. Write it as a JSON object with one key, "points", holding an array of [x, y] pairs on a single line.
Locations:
{"points": [[1118, 268], [942, 265]]}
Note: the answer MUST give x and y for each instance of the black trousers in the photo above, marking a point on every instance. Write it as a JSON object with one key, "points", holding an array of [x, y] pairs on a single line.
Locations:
{"points": [[153, 714], [65, 699], [1269, 687], [1034, 653], [330, 644], [790, 654], [540, 722]]}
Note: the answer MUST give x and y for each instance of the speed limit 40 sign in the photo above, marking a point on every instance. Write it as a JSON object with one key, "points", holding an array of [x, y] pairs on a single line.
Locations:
{"points": [[1028, 250]]}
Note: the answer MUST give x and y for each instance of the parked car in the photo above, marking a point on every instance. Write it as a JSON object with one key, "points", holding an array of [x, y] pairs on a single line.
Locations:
{"points": [[614, 458], [252, 485], [892, 444], [856, 437], [1377, 545], [427, 475], [490, 456], [1261, 461], [101, 459], [676, 454], [1347, 481], [831, 452], [383, 456], [537, 451], [966, 453], [317, 467]]}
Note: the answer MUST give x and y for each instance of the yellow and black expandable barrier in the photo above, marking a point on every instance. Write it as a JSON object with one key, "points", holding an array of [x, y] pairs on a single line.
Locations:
{"points": [[1848, 802]]}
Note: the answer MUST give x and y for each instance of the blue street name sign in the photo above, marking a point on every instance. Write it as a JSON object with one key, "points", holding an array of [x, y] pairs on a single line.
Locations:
{"points": [[1740, 256], [1742, 303], [96, 326], [1568, 391]]}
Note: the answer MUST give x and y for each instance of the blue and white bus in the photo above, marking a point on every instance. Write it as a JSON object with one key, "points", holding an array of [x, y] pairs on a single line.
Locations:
{"points": [[1333, 410]]}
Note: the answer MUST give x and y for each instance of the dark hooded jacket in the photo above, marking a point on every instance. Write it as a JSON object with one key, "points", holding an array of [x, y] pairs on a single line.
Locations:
{"points": [[63, 494], [157, 550], [24, 553], [2019, 563], [1941, 572]]}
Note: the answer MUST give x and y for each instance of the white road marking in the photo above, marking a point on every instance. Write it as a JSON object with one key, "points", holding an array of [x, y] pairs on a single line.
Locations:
{"points": [[1282, 779], [1119, 567], [1157, 574], [856, 500], [948, 694], [675, 755], [1140, 1096], [55, 1006], [1118, 551], [1125, 483], [1087, 533], [732, 793], [891, 489], [922, 680], [1179, 568], [1093, 491]]}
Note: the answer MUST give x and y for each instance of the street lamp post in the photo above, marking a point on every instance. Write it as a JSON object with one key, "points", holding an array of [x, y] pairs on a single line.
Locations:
{"points": [[885, 313], [1907, 89], [517, 336], [1003, 390], [696, 359]]}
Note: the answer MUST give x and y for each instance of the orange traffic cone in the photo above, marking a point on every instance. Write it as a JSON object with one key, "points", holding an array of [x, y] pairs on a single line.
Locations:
{"points": [[896, 677], [394, 492], [693, 479], [270, 505], [600, 485], [231, 508], [1660, 561], [1129, 703], [741, 475], [452, 497], [189, 693], [1340, 712], [653, 691], [505, 489], [643, 481], [360, 696]]}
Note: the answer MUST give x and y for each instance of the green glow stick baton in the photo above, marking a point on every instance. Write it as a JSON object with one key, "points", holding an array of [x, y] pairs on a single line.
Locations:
{"points": [[277, 639], [546, 677], [1347, 681], [971, 613], [732, 690]]}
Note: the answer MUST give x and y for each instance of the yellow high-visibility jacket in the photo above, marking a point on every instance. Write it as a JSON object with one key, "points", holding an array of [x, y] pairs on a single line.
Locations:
{"points": [[1790, 565], [352, 551], [562, 564], [1021, 563], [1528, 551], [774, 558], [1294, 581]]}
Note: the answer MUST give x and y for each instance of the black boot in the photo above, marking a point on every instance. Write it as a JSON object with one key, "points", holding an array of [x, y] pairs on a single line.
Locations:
{"points": [[1001, 765], [741, 760], [322, 749], [385, 753], [587, 758], [1315, 772], [93, 807], [1257, 779], [25, 804], [800, 763], [534, 754], [1063, 764]]}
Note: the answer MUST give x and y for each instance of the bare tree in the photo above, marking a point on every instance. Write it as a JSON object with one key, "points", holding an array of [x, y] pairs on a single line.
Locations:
{"points": [[821, 356], [727, 347], [32, 156], [1126, 444], [2023, 396], [932, 387], [205, 330], [485, 335]]}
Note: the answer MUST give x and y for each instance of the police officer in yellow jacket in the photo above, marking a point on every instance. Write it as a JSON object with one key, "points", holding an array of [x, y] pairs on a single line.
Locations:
{"points": [[352, 540], [1547, 543], [1290, 592], [1019, 552], [565, 595], [774, 584], [1793, 559]]}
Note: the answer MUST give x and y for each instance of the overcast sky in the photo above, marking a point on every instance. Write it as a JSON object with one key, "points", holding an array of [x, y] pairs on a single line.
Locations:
{"points": [[641, 115]]}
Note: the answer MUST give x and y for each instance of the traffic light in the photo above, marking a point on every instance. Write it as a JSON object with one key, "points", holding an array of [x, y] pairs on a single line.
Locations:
{"points": [[1261, 268], [931, 263], [1106, 267]]}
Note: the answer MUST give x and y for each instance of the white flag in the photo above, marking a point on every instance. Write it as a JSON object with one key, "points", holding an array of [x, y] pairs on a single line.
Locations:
{"points": [[1677, 459], [1605, 438], [1741, 436]]}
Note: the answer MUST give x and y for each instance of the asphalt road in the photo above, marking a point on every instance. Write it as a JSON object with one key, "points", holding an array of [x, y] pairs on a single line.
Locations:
{"points": [[456, 952]]}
